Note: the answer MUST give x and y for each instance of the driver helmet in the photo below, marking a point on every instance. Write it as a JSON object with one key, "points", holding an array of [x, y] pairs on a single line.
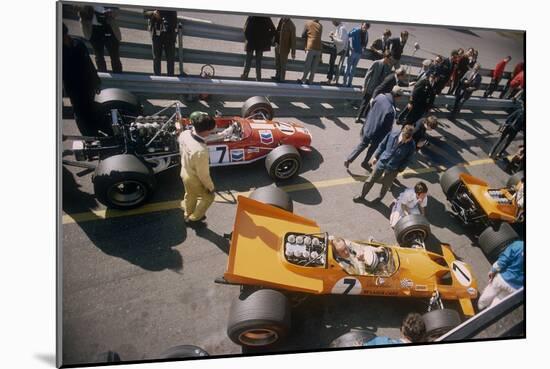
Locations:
{"points": [[194, 116]]}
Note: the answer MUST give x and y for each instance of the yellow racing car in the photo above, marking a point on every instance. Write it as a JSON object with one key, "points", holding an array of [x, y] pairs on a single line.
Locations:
{"points": [[281, 253]]}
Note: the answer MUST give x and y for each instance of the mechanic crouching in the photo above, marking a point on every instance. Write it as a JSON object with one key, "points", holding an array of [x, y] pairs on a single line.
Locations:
{"points": [[195, 168]]}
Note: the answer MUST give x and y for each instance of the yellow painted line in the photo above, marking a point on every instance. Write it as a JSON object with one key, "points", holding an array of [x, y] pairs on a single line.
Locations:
{"points": [[226, 198]]}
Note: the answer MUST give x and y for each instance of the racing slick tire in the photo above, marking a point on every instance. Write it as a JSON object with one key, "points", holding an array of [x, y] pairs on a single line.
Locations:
{"points": [[255, 105], [183, 351], [283, 162], [273, 196], [123, 182], [450, 179], [354, 338], [515, 179], [439, 322], [115, 98], [263, 319], [493, 241], [411, 228]]}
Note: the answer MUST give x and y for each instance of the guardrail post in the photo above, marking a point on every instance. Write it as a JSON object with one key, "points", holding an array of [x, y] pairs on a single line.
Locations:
{"points": [[180, 47]]}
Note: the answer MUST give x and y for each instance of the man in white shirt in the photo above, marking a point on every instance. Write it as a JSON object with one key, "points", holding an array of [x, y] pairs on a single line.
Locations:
{"points": [[411, 201], [338, 46]]}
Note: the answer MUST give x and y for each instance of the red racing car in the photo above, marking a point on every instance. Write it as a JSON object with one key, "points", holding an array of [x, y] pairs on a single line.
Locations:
{"points": [[126, 159]]}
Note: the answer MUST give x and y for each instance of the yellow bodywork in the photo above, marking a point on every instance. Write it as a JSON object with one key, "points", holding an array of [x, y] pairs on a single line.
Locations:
{"points": [[257, 258], [505, 209]]}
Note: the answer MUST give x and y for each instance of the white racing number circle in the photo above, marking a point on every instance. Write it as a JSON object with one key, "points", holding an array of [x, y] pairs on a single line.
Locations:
{"points": [[347, 286], [461, 273]]}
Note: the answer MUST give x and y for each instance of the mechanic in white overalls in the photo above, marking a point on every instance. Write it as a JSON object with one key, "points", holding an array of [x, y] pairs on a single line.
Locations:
{"points": [[411, 201]]}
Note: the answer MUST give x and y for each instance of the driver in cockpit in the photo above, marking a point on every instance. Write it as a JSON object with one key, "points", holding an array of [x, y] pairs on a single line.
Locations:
{"points": [[218, 136], [354, 258]]}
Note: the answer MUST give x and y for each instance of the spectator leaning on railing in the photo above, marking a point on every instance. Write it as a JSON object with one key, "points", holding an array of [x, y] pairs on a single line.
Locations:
{"points": [[397, 45], [259, 33], [468, 84], [99, 26], [496, 76], [162, 26], [520, 67], [285, 43], [358, 38], [381, 45], [313, 30]]}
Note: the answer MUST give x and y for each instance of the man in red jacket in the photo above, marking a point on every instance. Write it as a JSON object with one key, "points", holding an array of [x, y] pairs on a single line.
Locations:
{"points": [[517, 69], [496, 76], [516, 84]]}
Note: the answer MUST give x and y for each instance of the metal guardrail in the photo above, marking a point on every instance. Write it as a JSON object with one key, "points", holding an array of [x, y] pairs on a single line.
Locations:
{"points": [[194, 28], [163, 85]]}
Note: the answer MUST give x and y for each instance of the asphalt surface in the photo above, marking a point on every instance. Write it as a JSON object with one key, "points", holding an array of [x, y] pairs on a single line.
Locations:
{"points": [[140, 284]]}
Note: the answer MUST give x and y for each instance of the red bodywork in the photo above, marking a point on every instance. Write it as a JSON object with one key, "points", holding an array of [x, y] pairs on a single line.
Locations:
{"points": [[256, 140]]}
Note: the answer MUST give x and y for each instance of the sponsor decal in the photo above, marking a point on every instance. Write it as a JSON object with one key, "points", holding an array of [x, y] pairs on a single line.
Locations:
{"points": [[253, 149], [380, 281], [237, 155], [261, 124], [406, 283], [286, 128], [420, 287], [266, 137]]}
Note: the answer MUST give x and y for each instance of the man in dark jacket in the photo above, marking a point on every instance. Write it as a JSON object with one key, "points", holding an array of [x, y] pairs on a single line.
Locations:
{"points": [[460, 68], [379, 122], [396, 78], [80, 82], [392, 156], [514, 123], [259, 33], [420, 101], [285, 43], [442, 70], [375, 76], [397, 45], [468, 84], [162, 26]]}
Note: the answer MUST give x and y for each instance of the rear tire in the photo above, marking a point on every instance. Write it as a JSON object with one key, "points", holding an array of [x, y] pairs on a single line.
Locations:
{"points": [[355, 338], [273, 196], [439, 322], [115, 98], [515, 179], [123, 182], [283, 162], [257, 105], [450, 180], [183, 351], [493, 241], [410, 227], [263, 319]]}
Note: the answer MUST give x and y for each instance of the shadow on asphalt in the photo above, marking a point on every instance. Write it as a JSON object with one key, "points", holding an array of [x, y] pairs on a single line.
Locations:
{"points": [[144, 241]]}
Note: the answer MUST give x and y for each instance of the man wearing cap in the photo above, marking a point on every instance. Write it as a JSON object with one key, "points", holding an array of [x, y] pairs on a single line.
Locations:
{"points": [[379, 122], [195, 168], [392, 156]]}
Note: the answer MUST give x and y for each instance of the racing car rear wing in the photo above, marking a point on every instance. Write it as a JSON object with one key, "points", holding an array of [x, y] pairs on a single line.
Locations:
{"points": [[255, 255]]}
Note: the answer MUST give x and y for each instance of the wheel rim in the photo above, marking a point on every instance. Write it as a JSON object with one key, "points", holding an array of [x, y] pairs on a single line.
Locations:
{"points": [[286, 168], [413, 235], [258, 337], [127, 193]]}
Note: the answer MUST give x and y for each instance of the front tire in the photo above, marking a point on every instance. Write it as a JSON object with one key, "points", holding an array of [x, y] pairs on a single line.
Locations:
{"points": [[262, 319], [257, 105], [273, 196], [450, 180], [283, 162], [123, 182], [410, 229], [439, 322]]}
